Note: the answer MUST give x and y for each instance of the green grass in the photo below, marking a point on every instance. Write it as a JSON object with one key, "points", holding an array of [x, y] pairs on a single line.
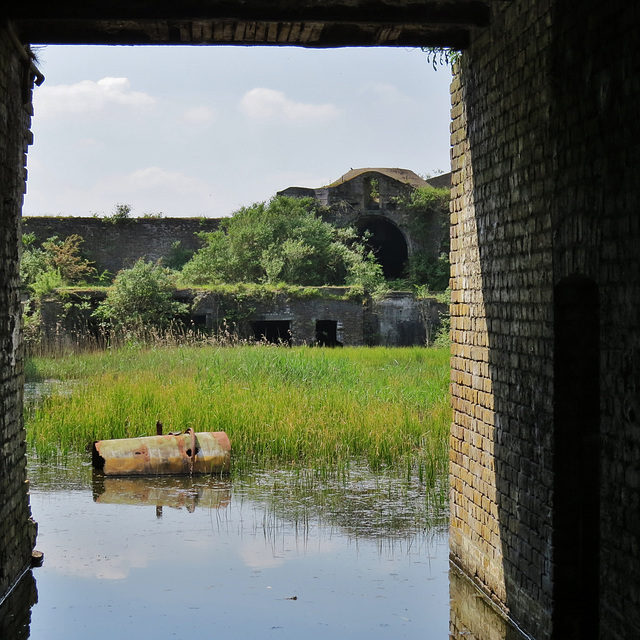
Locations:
{"points": [[299, 407]]}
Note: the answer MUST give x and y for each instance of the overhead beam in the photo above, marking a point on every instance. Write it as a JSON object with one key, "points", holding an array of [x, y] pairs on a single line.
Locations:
{"points": [[403, 12], [304, 34]]}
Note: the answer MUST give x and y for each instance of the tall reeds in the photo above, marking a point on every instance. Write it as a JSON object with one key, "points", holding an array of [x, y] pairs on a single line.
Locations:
{"points": [[312, 407]]}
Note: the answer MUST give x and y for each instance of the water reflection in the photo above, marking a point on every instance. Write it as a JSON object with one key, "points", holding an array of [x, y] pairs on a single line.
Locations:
{"points": [[279, 554], [15, 610], [472, 616], [176, 492]]}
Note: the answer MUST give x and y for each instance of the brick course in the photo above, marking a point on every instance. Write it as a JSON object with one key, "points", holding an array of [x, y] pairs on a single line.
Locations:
{"points": [[17, 531], [545, 157]]}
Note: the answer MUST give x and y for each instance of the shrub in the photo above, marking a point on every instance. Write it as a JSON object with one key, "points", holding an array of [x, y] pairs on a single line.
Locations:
{"points": [[141, 297], [282, 241]]}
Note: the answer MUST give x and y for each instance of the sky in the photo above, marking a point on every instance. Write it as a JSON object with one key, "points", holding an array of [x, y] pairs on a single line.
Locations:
{"points": [[202, 131]]}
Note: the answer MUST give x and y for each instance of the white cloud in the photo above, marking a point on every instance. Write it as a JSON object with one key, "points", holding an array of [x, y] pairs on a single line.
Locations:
{"points": [[156, 177], [199, 116], [88, 96], [267, 104]]}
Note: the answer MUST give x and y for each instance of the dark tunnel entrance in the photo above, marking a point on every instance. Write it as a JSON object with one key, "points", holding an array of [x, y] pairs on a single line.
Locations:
{"points": [[388, 244]]}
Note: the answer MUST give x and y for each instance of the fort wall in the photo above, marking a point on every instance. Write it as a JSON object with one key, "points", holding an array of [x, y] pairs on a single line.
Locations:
{"points": [[545, 313], [17, 531], [115, 245]]}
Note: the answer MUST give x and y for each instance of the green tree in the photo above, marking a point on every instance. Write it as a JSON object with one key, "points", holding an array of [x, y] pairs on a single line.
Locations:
{"points": [[33, 260], [141, 297], [283, 240]]}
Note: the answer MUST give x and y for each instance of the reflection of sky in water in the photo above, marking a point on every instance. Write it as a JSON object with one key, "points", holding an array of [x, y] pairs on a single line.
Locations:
{"points": [[117, 571]]}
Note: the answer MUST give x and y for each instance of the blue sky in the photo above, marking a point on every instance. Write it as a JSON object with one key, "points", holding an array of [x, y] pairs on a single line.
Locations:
{"points": [[201, 131]]}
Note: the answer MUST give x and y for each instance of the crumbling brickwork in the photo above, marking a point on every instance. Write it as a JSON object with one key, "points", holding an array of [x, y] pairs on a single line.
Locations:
{"points": [[17, 532], [545, 157]]}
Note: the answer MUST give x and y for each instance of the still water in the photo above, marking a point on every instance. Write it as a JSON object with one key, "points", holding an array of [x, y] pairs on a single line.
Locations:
{"points": [[273, 555]]}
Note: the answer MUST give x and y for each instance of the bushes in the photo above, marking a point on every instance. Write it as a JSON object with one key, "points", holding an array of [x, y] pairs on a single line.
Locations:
{"points": [[55, 264], [429, 208], [282, 241], [141, 297]]}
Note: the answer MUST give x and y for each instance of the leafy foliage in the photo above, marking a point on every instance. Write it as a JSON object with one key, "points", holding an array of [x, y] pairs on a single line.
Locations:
{"points": [[120, 212], [141, 297], [441, 56], [178, 256], [64, 255], [282, 241], [55, 264]]}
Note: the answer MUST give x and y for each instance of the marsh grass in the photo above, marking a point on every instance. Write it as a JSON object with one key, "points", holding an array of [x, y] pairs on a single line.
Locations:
{"points": [[298, 407]]}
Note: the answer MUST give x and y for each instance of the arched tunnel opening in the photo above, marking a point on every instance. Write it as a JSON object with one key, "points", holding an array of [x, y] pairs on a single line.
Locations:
{"points": [[388, 244]]}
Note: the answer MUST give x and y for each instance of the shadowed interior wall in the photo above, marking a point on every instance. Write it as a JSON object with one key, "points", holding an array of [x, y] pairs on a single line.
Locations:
{"points": [[17, 532], [546, 155]]}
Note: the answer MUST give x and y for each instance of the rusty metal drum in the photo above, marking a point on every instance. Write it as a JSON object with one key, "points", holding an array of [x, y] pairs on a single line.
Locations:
{"points": [[171, 454]]}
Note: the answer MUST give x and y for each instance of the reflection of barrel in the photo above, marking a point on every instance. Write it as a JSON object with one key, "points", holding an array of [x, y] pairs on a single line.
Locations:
{"points": [[174, 492], [185, 453]]}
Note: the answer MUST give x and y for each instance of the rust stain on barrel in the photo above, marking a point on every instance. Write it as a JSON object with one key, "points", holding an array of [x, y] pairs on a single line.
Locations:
{"points": [[167, 454]]}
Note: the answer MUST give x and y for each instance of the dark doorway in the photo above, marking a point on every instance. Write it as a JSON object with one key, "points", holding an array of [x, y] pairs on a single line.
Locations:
{"points": [[274, 331], [576, 499], [327, 333], [388, 244]]}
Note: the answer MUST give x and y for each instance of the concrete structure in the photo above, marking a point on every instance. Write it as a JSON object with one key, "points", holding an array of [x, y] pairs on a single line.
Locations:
{"points": [[545, 272], [373, 200]]}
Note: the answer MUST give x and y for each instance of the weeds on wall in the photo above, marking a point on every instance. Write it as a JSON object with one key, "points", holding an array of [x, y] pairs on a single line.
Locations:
{"points": [[282, 247], [441, 56]]}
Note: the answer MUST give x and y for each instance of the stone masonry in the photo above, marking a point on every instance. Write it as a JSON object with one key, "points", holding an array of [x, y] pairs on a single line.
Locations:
{"points": [[17, 531]]}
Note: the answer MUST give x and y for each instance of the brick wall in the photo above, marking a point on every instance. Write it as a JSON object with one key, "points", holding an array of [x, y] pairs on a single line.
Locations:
{"points": [[16, 532], [115, 246], [545, 158]]}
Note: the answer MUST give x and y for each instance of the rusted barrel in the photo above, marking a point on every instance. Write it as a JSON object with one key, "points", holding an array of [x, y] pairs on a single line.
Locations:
{"points": [[173, 454]]}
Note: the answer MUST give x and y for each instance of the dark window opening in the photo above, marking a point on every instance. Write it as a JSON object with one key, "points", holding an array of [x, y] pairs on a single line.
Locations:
{"points": [[273, 331], [388, 245], [577, 451], [327, 333]]}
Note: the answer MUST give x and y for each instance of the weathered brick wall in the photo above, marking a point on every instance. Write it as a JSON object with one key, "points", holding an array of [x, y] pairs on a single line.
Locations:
{"points": [[301, 313], [596, 226], [545, 158], [399, 319], [115, 246], [16, 532]]}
